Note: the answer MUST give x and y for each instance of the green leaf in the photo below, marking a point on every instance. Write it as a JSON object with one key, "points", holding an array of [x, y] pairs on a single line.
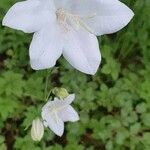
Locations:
{"points": [[135, 128], [30, 114], [34, 87], [12, 83], [2, 143], [141, 108], [25, 143], [8, 106], [121, 136], [146, 119], [145, 138]]}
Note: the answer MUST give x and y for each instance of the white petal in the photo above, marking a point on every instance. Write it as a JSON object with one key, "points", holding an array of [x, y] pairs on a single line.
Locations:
{"points": [[58, 104], [68, 113], [60, 3], [69, 99], [28, 16], [82, 51], [53, 121], [111, 15], [46, 47]]}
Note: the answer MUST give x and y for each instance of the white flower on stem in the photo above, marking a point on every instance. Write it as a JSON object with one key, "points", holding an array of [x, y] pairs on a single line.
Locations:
{"points": [[37, 130], [56, 112], [67, 27]]}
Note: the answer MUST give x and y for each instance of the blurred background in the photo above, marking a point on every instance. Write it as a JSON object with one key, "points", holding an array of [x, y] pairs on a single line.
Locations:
{"points": [[114, 105]]}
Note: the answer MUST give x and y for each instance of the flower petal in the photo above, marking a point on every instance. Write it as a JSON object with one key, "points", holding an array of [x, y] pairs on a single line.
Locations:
{"points": [[59, 103], [112, 17], [28, 16], [82, 51], [109, 16], [69, 99], [46, 47], [53, 121], [68, 113]]}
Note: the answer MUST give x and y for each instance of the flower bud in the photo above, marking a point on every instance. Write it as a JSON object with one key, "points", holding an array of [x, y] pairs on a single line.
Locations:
{"points": [[60, 92], [37, 130]]}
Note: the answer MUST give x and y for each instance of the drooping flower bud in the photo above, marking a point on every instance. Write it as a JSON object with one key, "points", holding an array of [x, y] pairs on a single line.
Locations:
{"points": [[60, 92], [37, 130]]}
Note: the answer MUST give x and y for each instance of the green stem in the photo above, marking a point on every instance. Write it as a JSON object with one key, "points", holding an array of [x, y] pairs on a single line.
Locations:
{"points": [[47, 94], [46, 83]]}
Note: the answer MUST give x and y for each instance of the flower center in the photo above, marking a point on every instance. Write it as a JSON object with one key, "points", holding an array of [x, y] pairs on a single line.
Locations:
{"points": [[67, 19], [53, 113]]}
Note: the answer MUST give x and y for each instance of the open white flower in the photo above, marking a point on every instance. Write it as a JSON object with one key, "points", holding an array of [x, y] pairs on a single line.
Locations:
{"points": [[67, 27], [56, 112]]}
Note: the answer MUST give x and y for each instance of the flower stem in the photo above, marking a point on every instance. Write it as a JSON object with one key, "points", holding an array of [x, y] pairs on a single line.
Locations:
{"points": [[46, 83], [48, 95]]}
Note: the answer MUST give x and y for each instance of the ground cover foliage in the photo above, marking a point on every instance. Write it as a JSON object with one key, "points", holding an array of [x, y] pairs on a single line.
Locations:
{"points": [[114, 105]]}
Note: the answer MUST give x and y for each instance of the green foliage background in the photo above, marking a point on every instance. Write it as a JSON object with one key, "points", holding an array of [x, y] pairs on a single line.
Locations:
{"points": [[114, 105]]}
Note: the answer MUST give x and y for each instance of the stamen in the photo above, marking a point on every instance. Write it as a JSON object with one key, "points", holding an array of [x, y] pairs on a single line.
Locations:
{"points": [[85, 26], [64, 17], [53, 113]]}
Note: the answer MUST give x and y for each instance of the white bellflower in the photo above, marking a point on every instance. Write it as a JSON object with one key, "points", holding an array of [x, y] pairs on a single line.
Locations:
{"points": [[67, 27], [56, 112]]}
